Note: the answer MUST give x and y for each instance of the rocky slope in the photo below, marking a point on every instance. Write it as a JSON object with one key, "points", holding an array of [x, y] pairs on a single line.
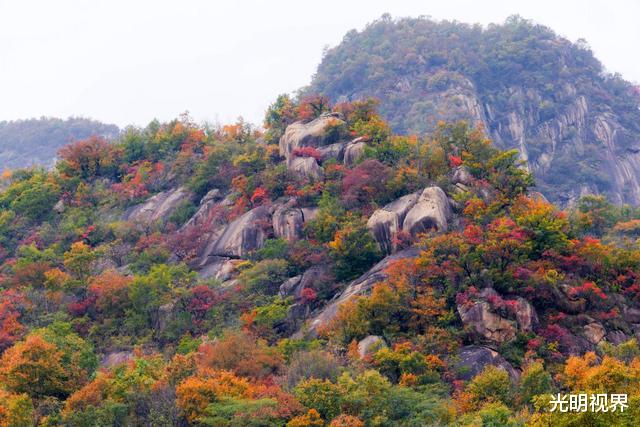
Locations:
{"points": [[577, 128], [229, 243], [181, 263]]}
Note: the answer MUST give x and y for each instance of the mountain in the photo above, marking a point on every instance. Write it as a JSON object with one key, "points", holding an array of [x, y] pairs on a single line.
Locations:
{"points": [[337, 274], [24, 143], [323, 271], [577, 127]]}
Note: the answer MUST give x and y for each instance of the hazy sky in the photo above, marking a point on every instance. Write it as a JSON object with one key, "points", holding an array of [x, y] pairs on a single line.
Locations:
{"points": [[130, 61]]}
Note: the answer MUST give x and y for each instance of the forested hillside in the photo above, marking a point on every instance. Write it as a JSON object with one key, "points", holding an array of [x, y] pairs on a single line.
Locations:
{"points": [[577, 127], [35, 142], [326, 272]]}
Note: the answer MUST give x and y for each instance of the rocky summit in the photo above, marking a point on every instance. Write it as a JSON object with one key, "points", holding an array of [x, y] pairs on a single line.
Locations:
{"points": [[576, 127]]}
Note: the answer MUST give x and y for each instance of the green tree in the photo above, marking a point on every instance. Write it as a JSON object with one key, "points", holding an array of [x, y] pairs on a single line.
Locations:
{"points": [[534, 381], [491, 385], [353, 249]]}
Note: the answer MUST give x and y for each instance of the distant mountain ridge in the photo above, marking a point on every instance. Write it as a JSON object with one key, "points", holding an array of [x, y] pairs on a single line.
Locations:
{"points": [[25, 143], [577, 127]]}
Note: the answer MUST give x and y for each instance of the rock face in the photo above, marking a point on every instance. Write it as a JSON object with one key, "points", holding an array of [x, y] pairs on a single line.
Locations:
{"points": [[617, 337], [116, 358], [321, 135], [577, 132], [306, 167], [472, 359], [369, 345], [247, 233], [207, 203], [315, 275], [594, 332], [158, 207], [414, 213], [486, 323], [431, 211], [353, 151], [526, 315], [333, 151], [165, 315], [312, 134], [288, 221], [491, 326], [631, 315], [290, 287], [360, 286], [243, 235], [220, 268]]}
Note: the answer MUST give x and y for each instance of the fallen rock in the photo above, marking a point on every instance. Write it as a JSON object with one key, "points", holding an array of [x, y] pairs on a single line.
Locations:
{"points": [[59, 206], [414, 213], [159, 207], [472, 359], [368, 346]]}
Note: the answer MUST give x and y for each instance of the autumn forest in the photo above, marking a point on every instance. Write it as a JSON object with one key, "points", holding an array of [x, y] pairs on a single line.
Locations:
{"points": [[323, 269]]}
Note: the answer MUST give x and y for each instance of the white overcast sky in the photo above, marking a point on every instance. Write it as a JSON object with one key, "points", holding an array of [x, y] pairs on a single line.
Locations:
{"points": [[131, 61]]}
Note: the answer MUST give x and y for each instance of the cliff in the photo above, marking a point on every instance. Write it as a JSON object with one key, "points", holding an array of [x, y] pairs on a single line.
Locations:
{"points": [[577, 127]]}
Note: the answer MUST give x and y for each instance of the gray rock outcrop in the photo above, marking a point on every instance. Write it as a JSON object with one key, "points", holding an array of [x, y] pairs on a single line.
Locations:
{"points": [[158, 207], [487, 324], [288, 221], [471, 360], [290, 287], [369, 345], [414, 213], [243, 235], [311, 134], [490, 326], [594, 332], [353, 151], [431, 211], [306, 167]]}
